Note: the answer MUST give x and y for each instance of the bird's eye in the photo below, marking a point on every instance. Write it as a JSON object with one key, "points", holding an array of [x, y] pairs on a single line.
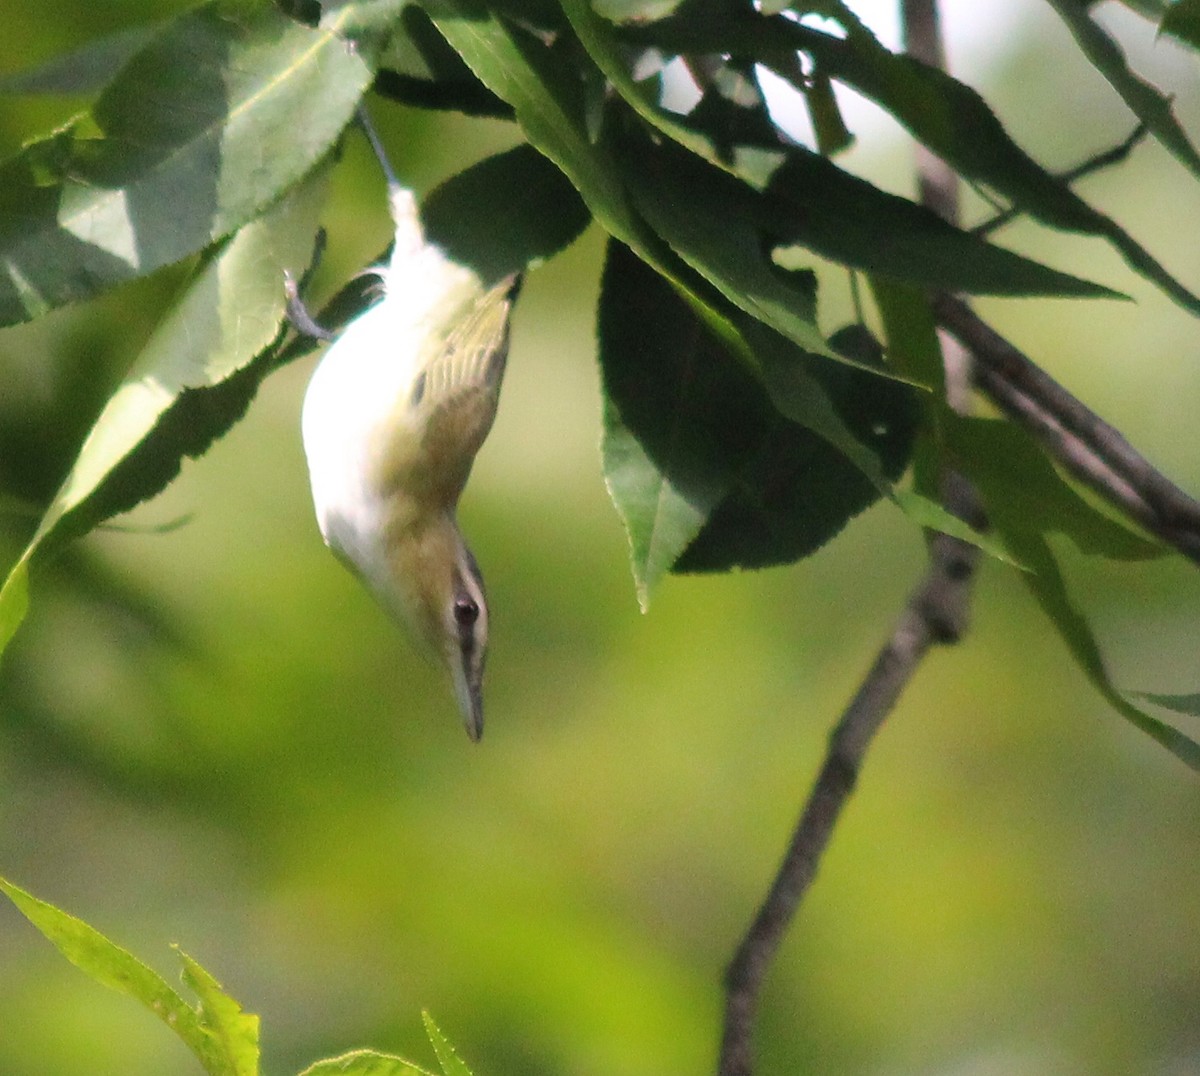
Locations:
{"points": [[466, 611]]}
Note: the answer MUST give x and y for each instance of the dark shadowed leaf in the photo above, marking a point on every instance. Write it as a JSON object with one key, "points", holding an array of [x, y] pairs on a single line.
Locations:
{"points": [[736, 234], [505, 214], [419, 68], [808, 201], [703, 467], [1146, 102], [85, 69], [196, 134], [948, 116], [1181, 704], [1182, 22]]}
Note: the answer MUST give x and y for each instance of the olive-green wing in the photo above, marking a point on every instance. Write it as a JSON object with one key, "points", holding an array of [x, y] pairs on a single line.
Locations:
{"points": [[460, 387]]}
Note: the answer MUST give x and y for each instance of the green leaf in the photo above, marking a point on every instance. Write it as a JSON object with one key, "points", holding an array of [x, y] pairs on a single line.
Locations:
{"points": [[1182, 22], [803, 198], [193, 380], [1023, 492], [197, 135], [741, 238], [85, 69], [1046, 582], [544, 89], [235, 1032], [365, 1063], [667, 436], [712, 468], [1181, 704], [1147, 103], [505, 214], [419, 68], [14, 601], [929, 514], [114, 967], [452, 1064], [946, 115]]}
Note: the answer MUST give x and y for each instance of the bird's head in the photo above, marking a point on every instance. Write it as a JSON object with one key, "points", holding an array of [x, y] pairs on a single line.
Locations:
{"points": [[439, 596]]}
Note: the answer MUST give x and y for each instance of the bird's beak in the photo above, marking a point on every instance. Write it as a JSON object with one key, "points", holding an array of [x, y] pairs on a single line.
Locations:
{"points": [[468, 689]]}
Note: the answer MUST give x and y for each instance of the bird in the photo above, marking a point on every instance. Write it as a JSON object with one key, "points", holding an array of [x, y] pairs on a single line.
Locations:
{"points": [[393, 416]]}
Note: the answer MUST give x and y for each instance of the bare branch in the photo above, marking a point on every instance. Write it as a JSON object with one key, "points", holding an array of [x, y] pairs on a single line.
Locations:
{"points": [[1076, 437], [936, 613]]}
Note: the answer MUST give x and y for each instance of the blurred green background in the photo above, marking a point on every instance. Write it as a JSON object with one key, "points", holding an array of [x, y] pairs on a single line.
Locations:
{"points": [[211, 737]]}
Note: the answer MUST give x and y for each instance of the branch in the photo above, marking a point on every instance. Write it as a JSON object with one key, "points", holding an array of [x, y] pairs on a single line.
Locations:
{"points": [[1105, 159], [1076, 437], [937, 612]]}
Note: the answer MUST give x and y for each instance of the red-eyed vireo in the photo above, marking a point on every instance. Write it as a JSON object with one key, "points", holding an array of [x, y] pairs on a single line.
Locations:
{"points": [[393, 417]]}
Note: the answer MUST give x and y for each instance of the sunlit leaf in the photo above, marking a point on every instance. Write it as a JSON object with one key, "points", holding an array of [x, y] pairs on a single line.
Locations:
{"points": [[452, 1064], [193, 380], [196, 135], [114, 967], [234, 1031], [14, 602], [365, 1063]]}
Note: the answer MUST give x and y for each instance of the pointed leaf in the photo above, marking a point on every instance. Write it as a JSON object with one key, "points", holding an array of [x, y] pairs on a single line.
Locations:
{"points": [[1022, 491], [234, 1033], [807, 200], [420, 68], [452, 1064], [1049, 588], [114, 967], [1148, 104], [1181, 704], [739, 237], [195, 136], [946, 115], [703, 465]]}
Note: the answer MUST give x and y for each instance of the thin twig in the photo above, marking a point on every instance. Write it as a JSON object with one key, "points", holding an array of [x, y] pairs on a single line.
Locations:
{"points": [[937, 612], [1075, 436], [1100, 161]]}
